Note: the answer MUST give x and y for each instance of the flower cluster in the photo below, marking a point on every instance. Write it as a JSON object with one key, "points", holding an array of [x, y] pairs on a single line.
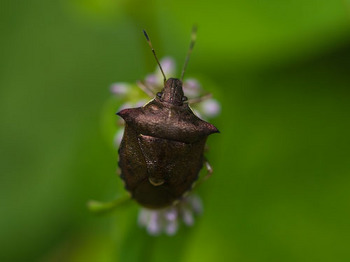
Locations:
{"points": [[136, 95], [167, 219]]}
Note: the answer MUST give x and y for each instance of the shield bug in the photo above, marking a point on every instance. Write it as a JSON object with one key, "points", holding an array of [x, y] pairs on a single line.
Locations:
{"points": [[161, 152]]}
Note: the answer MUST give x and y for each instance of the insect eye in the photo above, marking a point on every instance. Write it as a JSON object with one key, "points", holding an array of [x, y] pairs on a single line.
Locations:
{"points": [[184, 98], [159, 94]]}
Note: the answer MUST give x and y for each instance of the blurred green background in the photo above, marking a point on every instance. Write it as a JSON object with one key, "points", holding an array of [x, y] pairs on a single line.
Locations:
{"points": [[280, 188]]}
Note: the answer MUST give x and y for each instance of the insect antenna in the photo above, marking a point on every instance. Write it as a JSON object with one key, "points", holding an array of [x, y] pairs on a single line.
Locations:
{"points": [[193, 40], [154, 53]]}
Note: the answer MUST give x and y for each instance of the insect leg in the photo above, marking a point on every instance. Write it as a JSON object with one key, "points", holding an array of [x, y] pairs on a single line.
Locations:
{"points": [[209, 169], [145, 88], [199, 99]]}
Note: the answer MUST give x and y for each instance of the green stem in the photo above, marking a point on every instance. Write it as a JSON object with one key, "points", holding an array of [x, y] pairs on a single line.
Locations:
{"points": [[105, 207]]}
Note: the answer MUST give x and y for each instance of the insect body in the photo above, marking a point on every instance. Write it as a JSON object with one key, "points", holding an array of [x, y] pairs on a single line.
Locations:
{"points": [[161, 153]]}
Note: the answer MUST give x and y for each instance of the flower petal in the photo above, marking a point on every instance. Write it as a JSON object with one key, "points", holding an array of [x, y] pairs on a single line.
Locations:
{"points": [[192, 87], [196, 204], [120, 88], [171, 227], [210, 108], [152, 80], [168, 65], [144, 217], [154, 226], [171, 214], [187, 216]]}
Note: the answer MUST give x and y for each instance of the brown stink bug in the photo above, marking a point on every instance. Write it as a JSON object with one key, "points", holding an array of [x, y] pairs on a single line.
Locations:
{"points": [[161, 152]]}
